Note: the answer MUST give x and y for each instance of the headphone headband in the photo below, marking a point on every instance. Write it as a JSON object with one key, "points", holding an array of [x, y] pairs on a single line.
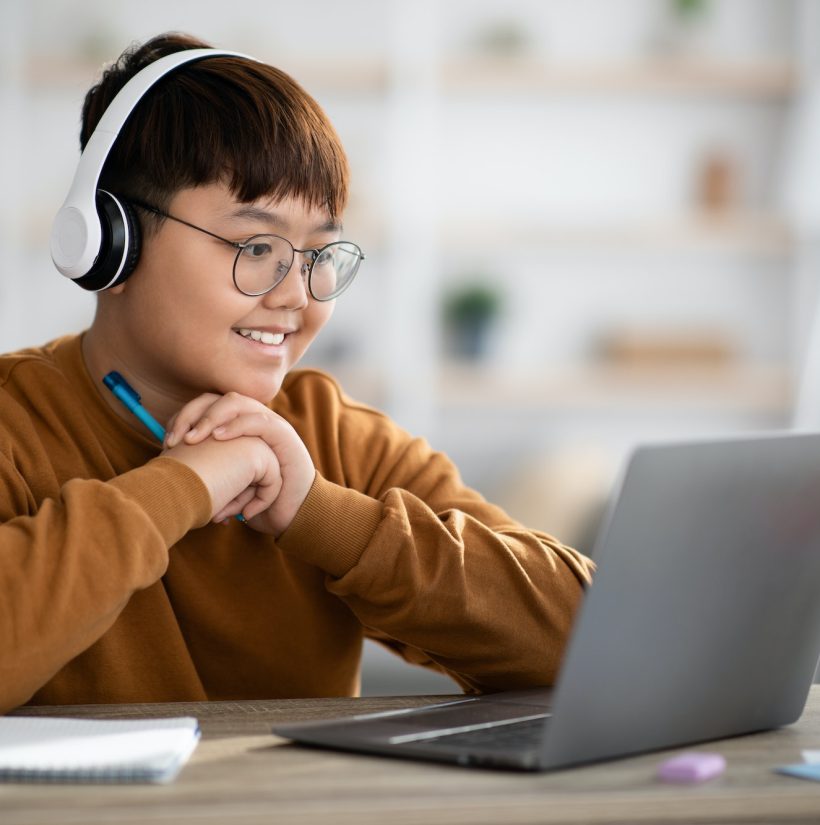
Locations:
{"points": [[77, 233]]}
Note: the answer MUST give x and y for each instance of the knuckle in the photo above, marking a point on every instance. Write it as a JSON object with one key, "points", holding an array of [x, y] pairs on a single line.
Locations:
{"points": [[203, 402]]}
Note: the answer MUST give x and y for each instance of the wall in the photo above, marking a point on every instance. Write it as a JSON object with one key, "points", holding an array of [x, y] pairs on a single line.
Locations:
{"points": [[557, 151]]}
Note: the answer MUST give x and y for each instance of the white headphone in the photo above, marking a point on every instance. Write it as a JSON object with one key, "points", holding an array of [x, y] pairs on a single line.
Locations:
{"points": [[95, 237]]}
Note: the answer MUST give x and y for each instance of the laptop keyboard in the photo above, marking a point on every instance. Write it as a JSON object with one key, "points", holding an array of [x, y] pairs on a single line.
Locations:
{"points": [[524, 735]]}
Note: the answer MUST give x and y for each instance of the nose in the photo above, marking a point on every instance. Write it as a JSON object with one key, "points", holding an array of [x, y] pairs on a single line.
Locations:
{"points": [[291, 292]]}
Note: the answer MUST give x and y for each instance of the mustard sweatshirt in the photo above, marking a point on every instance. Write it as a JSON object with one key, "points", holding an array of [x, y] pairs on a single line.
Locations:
{"points": [[116, 588]]}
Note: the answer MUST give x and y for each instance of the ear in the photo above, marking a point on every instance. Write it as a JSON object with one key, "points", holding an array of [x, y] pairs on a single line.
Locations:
{"points": [[116, 290]]}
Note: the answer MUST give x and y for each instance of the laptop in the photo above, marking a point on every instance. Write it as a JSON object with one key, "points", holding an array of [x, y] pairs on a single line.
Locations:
{"points": [[702, 622]]}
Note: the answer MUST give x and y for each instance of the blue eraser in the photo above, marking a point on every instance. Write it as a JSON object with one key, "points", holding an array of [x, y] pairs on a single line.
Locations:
{"points": [[693, 767]]}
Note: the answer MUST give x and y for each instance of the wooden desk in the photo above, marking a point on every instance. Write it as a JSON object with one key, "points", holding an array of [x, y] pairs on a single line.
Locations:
{"points": [[240, 773]]}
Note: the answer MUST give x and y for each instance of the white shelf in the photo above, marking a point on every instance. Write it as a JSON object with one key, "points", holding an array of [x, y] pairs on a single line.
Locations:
{"points": [[360, 76], [747, 233], [485, 75], [746, 388], [760, 79]]}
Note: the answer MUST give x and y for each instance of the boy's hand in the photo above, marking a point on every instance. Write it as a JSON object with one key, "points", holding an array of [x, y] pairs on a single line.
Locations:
{"points": [[242, 475], [224, 418]]}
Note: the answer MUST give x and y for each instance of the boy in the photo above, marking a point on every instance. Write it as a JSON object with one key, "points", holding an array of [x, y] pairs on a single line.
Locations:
{"points": [[125, 576]]}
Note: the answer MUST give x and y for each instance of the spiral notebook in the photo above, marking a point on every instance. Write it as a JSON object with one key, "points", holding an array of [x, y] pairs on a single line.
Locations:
{"points": [[43, 749]]}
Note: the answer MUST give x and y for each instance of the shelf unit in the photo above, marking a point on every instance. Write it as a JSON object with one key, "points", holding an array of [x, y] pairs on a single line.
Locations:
{"points": [[397, 99], [424, 239]]}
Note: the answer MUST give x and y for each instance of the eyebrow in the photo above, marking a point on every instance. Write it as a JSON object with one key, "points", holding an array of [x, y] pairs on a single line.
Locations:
{"points": [[256, 213]]}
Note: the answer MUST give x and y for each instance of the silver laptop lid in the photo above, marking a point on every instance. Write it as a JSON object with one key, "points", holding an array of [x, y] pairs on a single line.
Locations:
{"points": [[703, 620]]}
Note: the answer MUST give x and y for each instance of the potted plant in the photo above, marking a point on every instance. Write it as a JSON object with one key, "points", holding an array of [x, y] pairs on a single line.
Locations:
{"points": [[469, 313]]}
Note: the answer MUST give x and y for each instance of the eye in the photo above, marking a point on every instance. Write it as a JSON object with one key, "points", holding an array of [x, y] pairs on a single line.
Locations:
{"points": [[322, 257], [257, 249]]}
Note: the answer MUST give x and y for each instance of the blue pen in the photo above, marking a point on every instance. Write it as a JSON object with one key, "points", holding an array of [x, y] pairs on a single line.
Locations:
{"points": [[131, 400]]}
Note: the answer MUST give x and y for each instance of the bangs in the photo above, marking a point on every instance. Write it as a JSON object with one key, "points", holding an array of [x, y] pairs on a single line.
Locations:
{"points": [[235, 121]]}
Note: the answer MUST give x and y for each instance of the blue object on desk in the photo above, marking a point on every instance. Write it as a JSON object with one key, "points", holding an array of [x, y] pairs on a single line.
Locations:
{"points": [[801, 771], [131, 401]]}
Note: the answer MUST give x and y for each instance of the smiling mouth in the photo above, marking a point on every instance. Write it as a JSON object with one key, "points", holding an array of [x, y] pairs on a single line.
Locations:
{"points": [[269, 338]]}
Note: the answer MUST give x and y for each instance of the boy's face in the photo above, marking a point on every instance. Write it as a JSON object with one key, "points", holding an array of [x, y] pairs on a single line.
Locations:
{"points": [[178, 317]]}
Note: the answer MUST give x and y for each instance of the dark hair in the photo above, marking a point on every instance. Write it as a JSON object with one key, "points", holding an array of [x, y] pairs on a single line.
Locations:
{"points": [[224, 119]]}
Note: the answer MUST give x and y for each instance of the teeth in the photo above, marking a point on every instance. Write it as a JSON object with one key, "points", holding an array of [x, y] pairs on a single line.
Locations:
{"points": [[263, 337]]}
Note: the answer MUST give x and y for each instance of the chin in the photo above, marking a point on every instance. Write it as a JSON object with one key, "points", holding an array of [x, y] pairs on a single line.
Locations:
{"points": [[263, 390]]}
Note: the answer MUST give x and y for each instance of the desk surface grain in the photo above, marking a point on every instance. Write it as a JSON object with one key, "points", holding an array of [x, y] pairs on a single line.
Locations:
{"points": [[241, 773]]}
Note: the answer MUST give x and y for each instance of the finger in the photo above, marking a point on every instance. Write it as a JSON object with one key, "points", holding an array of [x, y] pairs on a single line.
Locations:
{"points": [[266, 491], [184, 418], [235, 507], [268, 426], [221, 411], [258, 497], [257, 505]]}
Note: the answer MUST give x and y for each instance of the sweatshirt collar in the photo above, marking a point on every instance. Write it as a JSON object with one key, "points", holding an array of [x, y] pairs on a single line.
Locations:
{"points": [[112, 428]]}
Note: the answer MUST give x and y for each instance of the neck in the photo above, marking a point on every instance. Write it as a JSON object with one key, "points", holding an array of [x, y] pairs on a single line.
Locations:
{"points": [[102, 355]]}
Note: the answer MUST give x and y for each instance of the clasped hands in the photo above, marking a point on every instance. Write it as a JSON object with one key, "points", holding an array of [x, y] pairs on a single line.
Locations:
{"points": [[251, 460]]}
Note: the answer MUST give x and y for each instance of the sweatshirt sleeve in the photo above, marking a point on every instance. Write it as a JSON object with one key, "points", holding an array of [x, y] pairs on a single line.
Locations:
{"points": [[69, 566], [430, 568]]}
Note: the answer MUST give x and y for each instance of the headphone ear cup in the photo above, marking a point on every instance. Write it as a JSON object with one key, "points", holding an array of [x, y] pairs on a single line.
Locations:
{"points": [[119, 245]]}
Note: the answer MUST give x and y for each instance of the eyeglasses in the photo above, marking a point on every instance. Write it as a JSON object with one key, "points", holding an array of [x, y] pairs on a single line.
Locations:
{"points": [[262, 262]]}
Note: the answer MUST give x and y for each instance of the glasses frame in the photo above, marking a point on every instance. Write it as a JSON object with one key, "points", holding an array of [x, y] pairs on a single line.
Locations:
{"points": [[306, 268]]}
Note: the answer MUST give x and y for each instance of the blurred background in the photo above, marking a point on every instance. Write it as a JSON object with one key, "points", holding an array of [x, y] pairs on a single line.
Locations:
{"points": [[588, 223]]}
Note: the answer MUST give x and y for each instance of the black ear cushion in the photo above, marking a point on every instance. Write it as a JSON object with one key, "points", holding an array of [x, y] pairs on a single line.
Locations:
{"points": [[132, 254], [119, 245]]}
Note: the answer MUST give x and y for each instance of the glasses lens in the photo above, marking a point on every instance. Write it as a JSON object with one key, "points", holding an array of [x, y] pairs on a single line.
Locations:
{"points": [[334, 269], [262, 263]]}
